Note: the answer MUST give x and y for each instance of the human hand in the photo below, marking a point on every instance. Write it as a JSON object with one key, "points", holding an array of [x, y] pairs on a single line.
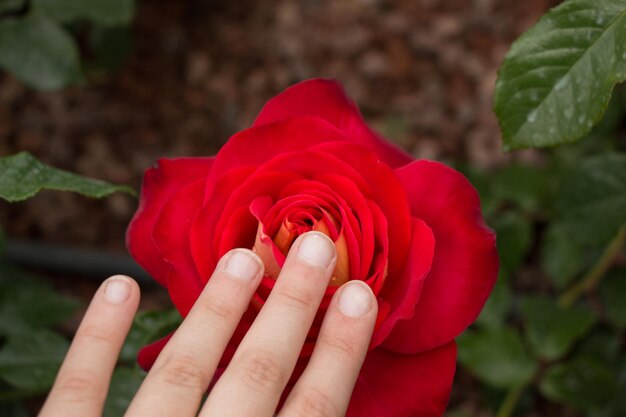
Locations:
{"points": [[254, 380]]}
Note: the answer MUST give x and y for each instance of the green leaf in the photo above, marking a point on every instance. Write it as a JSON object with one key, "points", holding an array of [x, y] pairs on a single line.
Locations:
{"points": [[104, 12], [13, 409], [110, 46], [616, 407], [27, 303], [515, 234], [22, 176], [524, 186], [613, 293], [30, 361], [497, 308], [8, 6], [591, 204], [600, 344], [3, 241], [583, 382], [560, 255], [496, 356], [124, 384], [148, 327], [38, 52], [550, 330], [557, 78], [458, 413]]}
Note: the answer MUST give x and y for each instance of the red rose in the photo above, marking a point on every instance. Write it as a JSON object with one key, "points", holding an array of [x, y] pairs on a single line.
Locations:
{"points": [[412, 230]]}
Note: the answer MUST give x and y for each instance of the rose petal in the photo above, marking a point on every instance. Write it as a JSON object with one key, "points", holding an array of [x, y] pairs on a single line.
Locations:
{"points": [[205, 222], [327, 100], [403, 291], [271, 256], [258, 145], [378, 270], [258, 184], [387, 192], [171, 236], [159, 185], [465, 264], [149, 353], [395, 385]]}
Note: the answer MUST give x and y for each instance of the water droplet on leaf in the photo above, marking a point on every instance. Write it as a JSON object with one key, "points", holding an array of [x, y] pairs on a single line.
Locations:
{"points": [[534, 96], [562, 83], [568, 113]]}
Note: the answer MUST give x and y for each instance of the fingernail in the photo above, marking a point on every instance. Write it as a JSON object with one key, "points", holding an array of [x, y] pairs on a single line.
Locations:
{"points": [[243, 265], [117, 290], [355, 299], [316, 249]]}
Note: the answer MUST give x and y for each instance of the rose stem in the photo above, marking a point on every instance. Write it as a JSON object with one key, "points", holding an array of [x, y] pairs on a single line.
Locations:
{"points": [[595, 274]]}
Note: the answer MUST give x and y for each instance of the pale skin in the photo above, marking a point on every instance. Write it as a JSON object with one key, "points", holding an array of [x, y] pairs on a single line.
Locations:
{"points": [[263, 363]]}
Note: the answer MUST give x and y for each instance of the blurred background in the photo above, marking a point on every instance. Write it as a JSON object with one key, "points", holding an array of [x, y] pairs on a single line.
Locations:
{"points": [[182, 77], [422, 72]]}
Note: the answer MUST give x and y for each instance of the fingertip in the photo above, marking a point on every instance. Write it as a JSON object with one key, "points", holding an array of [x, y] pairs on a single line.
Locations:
{"points": [[118, 289], [316, 249], [242, 264], [356, 299]]}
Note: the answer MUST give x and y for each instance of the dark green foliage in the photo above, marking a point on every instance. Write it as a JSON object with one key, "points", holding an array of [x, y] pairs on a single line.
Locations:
{"points": [[613, 293], [552, 330], [27, 303], [583, 382], [553, 87], [38, 39], [497, 357], [38, 52], [124, 384]]}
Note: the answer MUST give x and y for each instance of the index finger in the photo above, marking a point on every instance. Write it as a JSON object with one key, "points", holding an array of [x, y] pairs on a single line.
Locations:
{"points": [[81, 386]]}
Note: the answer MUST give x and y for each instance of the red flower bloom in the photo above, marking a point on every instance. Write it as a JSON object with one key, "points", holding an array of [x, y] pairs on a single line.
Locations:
{"points": [[412, 230]]}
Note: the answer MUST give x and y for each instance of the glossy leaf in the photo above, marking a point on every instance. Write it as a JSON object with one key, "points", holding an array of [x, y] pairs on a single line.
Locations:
{"points": [[552, 330], [613, 293], [104, 12], [496, 356], [22, 176], [38, 52], [30, 361], [583, 382], [557, 78]]}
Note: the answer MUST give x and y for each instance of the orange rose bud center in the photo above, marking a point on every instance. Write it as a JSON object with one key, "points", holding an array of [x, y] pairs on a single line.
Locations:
{"points": [[293, 226]]}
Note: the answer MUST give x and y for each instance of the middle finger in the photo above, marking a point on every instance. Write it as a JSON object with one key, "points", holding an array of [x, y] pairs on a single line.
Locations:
{"points": [[261, 367]]}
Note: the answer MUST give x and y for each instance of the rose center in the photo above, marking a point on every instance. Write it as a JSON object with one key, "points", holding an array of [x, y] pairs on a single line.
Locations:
{"points": [[295, 223]]}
